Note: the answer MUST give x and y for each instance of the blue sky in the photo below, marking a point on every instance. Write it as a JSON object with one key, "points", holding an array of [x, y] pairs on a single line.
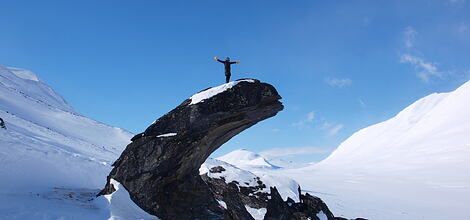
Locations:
{"points": [[339, 65]]}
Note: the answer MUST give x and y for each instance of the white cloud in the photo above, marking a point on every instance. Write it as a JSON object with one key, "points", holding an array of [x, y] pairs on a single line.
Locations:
{"points": [[425, 69], [310, 116], [289, 151], [335, 82], [335, 129], [409, 36]]}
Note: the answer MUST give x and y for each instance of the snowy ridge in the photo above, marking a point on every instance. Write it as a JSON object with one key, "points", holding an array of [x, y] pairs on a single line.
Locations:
{"points": [[29, 85], [432, 127], [208, 93], [246, 159]]}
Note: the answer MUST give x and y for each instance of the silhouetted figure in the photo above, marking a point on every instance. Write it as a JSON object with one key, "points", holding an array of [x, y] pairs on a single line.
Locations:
{"points": [[2, 124], [227, 64]]}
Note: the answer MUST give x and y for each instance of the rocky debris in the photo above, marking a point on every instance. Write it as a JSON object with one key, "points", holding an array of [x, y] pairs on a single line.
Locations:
{"points": [[309, 207], [161, 172]]}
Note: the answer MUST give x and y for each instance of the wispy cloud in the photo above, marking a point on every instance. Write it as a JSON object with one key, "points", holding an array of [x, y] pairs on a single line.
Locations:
{"points": [[456, 1], [409, 36], [425, 69], [309, 118], [335, 129], [362, 103], [340, 83], [290, 151]]}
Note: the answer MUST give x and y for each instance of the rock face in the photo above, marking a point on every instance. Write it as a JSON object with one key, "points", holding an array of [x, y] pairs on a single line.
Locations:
{"points": [[160, 168]]}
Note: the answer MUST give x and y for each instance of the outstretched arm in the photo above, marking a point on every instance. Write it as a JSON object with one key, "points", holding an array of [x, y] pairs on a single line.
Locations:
{"points": [[215, 58], [234, 62]]}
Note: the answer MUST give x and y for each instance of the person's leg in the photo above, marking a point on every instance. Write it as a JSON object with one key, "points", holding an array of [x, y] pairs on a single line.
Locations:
{"points": [[227, 78]]}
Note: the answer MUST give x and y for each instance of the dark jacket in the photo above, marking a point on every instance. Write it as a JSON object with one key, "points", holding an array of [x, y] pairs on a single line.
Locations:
{"points": [[227, 65]]}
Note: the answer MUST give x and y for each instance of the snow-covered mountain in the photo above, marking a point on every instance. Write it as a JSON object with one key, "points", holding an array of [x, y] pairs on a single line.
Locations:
{"points": [[245, 159], [415, 165], [432, 132], [52, 159]]}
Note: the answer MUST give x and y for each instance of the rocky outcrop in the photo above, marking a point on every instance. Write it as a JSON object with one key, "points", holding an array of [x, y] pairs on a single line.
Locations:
{"points": [[160, 168], [309, 207], [258, 197]]}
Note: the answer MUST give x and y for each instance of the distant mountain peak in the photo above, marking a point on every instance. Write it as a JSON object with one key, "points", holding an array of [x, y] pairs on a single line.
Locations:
{"points": [[243, 158]]}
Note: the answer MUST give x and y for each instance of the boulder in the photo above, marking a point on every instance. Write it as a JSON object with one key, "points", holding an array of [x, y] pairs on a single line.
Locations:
{"points": [[160, 167]]}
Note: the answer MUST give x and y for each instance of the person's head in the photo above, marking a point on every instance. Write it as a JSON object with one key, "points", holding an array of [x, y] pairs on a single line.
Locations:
{"points": [[228, 58]]}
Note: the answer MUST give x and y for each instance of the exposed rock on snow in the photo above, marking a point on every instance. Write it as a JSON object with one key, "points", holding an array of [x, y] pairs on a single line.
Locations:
{"points": [[162, 174], [231, 184], [309, 207]]}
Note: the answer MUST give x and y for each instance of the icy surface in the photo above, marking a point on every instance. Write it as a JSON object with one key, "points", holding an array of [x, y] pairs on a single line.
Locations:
{"points": [[199, 97]]}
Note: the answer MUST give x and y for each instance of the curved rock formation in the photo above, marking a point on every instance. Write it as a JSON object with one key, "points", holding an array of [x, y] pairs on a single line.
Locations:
{"points": [[160, 168]]}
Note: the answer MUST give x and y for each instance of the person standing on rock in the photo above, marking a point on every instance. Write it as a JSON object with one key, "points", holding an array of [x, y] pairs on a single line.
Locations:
{"points": [[227, 64]]}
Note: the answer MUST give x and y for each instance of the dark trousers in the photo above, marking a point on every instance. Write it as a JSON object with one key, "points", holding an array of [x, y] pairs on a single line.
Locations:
{"points": [[227, 78]]}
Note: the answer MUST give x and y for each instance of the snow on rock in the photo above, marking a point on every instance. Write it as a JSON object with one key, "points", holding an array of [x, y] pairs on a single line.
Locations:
{"points": [[167, 135], [258, 214], [199, 97], [222, 204], [122, 207], [286, 186], [246, 159]]}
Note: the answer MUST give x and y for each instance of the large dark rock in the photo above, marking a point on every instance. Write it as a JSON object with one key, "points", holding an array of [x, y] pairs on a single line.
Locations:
{"points": [[161, 172]]}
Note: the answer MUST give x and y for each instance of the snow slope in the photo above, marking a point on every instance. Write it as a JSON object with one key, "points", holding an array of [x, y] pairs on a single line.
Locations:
{"points": [[52, 160], [415, 165]]}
